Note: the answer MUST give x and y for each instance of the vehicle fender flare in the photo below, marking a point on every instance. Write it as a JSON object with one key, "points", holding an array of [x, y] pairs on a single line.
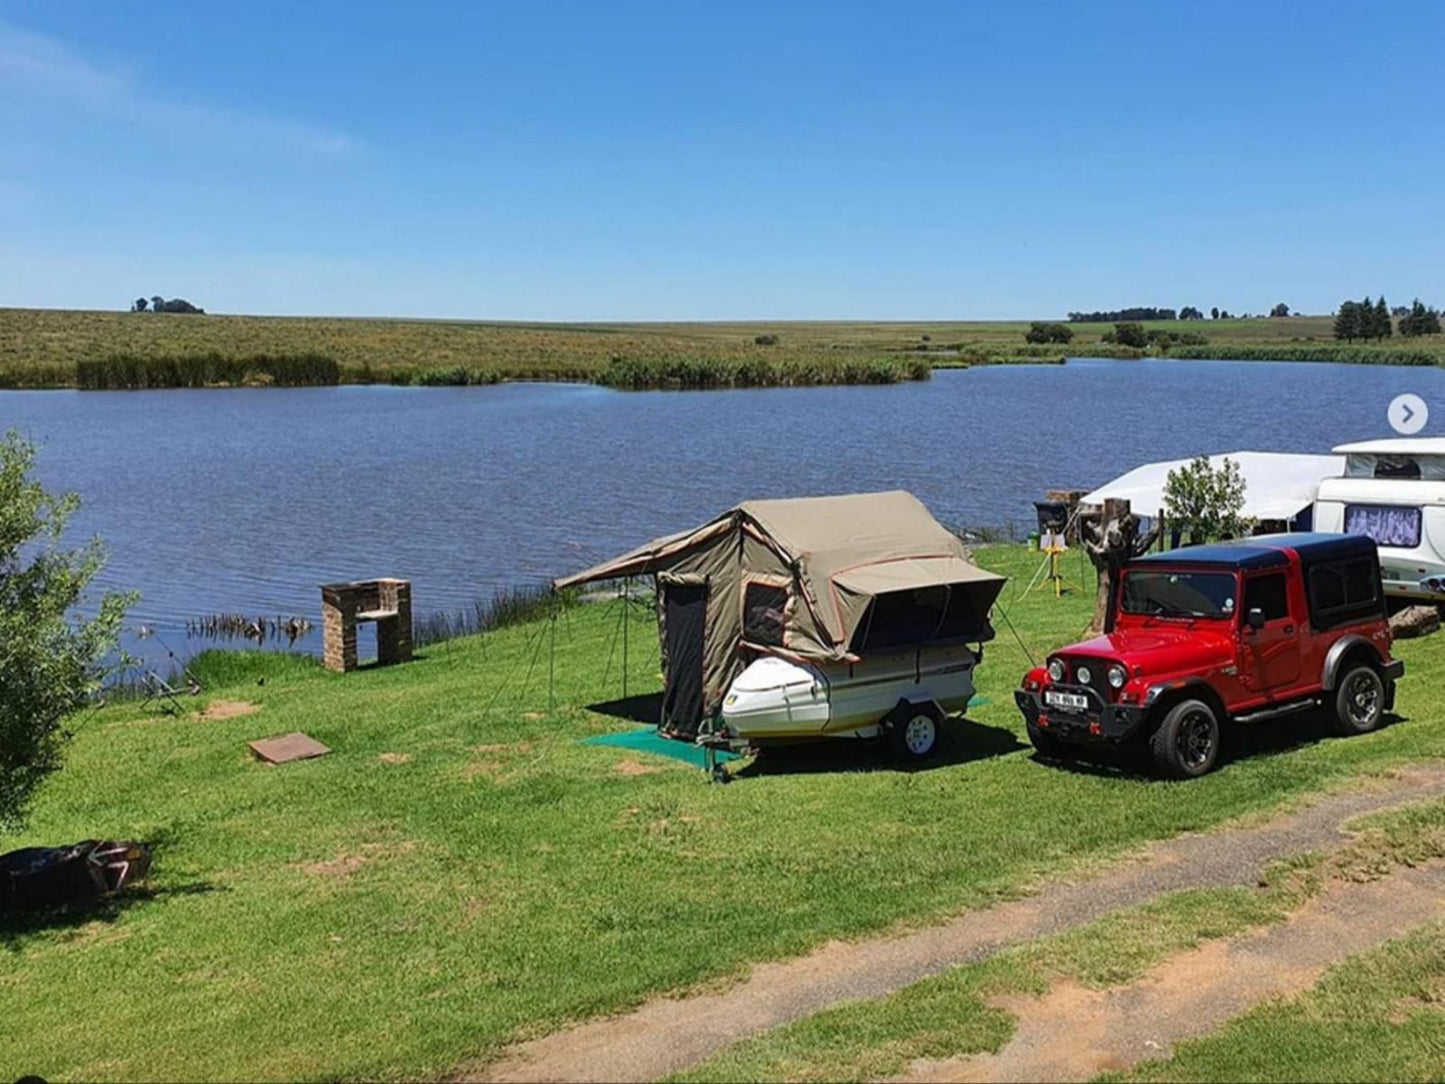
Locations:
{"points": [[1160, 698], [1335, 659]]}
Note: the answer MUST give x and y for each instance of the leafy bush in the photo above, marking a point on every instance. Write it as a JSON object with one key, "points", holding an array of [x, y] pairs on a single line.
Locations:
{"points": [[1206, 502], [1040, 332], [1130, 334]]}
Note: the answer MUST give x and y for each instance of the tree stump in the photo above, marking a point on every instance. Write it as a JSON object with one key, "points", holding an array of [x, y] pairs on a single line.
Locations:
{"points": [[1112, 539]]}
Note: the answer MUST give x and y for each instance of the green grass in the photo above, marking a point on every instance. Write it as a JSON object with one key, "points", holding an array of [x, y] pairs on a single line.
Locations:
{"points": [[63, 348], [350, 917]]}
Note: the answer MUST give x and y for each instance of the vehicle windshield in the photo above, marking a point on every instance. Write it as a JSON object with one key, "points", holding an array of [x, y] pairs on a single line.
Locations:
{"points": [[1178, 593]]}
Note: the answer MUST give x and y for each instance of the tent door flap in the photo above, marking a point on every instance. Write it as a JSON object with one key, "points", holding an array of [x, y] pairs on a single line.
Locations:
{"points": [[684, 618]]}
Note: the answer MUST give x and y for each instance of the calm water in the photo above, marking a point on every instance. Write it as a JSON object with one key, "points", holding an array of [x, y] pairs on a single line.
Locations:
{"points": [[245, 500]]}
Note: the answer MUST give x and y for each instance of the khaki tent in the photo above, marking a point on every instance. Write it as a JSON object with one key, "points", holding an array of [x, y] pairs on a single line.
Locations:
{"points": [[823, 579]]}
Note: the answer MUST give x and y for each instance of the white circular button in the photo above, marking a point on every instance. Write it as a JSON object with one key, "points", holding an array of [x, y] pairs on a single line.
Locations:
{"points": [[1408, 414]]}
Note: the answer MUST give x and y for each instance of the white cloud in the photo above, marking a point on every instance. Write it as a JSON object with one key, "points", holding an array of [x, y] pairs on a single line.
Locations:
{"points": [[43, 67]]}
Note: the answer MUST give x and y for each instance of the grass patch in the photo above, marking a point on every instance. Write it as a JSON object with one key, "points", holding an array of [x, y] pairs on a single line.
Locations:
{"points": [[462, 870]]}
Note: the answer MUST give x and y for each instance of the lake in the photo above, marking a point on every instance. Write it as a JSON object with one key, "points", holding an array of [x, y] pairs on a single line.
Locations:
{"points": [[244, 500]]}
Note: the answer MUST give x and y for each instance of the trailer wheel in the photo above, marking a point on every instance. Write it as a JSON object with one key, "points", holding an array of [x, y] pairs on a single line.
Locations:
{"points": [[915, 731], [1359, 701]]}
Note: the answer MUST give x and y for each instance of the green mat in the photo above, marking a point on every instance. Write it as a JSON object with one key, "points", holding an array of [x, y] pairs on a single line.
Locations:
{"points": [[647, 739]]}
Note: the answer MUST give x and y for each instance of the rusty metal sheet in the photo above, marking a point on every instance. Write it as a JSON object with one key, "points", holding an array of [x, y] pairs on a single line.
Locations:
{"points": [[288, 747]]}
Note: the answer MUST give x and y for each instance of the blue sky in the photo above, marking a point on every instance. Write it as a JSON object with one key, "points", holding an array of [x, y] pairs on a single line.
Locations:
{"points": [[596, 160]]}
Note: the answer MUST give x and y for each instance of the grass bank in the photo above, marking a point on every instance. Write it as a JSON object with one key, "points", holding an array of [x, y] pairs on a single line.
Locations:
{"points": [[462, 870], [58, 348]]}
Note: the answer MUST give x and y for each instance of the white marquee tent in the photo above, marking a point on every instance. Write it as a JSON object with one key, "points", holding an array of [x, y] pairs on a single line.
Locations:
{"points": [[1277, 486]]}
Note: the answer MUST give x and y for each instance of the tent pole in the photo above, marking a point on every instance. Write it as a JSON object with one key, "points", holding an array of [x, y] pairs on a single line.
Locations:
{"points": [[626, 620], [552, 665]]}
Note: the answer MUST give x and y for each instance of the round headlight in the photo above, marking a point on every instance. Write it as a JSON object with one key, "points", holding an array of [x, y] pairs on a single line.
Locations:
{"points": [[1117, 677], [1082, 675], [1056, 670]]}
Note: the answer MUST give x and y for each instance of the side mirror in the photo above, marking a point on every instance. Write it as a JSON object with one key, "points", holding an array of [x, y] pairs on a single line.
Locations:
{"points": [[1255, 618]]}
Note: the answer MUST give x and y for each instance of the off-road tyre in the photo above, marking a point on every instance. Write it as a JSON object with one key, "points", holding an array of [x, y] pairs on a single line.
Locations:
{"points": [[1359, 702], [1185, 745]]}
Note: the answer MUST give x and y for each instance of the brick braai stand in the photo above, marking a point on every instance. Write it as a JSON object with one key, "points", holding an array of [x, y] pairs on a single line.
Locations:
{"points": [[385, 602]]}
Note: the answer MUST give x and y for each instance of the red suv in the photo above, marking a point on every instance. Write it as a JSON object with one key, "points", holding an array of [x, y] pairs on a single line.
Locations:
{"points": [[1236, 632]]}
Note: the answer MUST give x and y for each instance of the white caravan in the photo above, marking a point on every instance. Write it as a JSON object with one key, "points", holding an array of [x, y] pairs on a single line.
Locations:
{"points": [[1394, 492]]}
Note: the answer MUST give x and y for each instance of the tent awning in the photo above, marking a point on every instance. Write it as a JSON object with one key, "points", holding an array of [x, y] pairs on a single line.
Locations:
{"points": [[1276, 485], [911, 572]]}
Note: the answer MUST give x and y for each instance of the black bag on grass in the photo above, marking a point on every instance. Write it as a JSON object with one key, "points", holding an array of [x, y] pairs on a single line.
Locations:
{"points": [[48, 876]]}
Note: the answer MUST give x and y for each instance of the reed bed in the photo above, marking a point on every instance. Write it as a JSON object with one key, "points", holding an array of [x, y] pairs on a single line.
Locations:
{"points": [[1340, 353], [131, 371], [507, 606]]}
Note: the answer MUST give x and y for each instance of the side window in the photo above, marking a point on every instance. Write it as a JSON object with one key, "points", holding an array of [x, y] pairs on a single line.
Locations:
{"points": [[1327, 589], [763, 606], [1268, 593], [1346, 590]]}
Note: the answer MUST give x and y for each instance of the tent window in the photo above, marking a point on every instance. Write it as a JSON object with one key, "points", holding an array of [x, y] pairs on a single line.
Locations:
{"points": [[763, 606], [901, 619]]}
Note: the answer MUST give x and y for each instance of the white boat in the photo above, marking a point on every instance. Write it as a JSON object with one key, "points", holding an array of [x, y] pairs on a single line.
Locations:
{"points": [[906, 692], [1393, 491]]}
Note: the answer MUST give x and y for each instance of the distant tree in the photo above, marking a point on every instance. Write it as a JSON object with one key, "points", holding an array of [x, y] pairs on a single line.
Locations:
{"points": [[1204, 502], [176, 304], [1398, 311], [50, 656], [1381, 324], [1224, 314], [1214, 313], [158, 303], [1347, 321], [1279, 310], [1131, 334], [1419, 320], [1112, 316], [1189, 312], [139, 305], [1040, 332], [766, 340]]}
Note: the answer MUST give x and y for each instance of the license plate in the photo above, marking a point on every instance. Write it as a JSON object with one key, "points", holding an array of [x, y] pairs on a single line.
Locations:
{"points": [[1068, 701]]}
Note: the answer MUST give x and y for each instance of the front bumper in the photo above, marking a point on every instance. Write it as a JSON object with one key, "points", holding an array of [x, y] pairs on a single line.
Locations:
{"points": [[1098, 722]]}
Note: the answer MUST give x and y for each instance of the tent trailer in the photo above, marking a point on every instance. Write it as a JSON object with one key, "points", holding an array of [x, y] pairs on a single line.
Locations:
{"points": [[1393, 491], [789, 620]]}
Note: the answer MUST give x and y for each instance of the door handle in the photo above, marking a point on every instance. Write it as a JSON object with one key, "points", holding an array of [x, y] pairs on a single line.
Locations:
{"points": [[1289, 630]]}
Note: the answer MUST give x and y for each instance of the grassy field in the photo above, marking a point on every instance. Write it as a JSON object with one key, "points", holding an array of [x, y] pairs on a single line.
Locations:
{"points": [[462, 870], [58, 348]]}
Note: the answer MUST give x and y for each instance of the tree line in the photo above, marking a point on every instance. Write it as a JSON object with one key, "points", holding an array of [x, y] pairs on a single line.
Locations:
{"points": [[1188, 312], [1375, 320], [160, 304]]}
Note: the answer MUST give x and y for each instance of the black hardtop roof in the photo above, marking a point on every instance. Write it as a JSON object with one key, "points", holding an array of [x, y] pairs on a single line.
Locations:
{"points": [[1267, 551]]}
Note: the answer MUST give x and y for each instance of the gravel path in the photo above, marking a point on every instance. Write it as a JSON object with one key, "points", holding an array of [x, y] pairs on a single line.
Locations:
{"points": [[669, 1034]]}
